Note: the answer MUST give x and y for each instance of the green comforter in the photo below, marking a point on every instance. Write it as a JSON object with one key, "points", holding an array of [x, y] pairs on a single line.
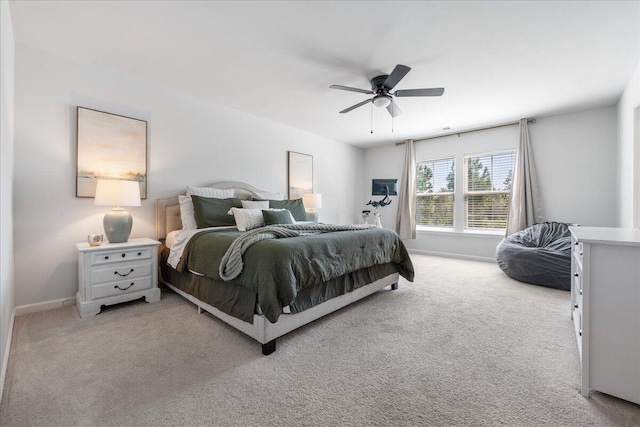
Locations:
{"points": [[277, 269]]}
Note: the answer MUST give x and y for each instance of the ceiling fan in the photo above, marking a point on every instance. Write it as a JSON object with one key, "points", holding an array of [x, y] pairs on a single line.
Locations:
{"points": [[381, 87]]}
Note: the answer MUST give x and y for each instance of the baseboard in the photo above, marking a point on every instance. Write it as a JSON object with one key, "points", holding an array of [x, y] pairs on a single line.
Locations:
{"points": [[45, 305], [450, 255], [5, 362]]}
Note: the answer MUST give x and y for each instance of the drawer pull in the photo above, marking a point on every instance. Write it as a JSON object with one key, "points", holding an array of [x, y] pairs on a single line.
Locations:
{"points": [[123, 289], [123, 275], [139, 253], [124, 255], [106, 257], [580, 291], [580, 332], [576, 243], [575, 305], [580, 253], [576, 274]]}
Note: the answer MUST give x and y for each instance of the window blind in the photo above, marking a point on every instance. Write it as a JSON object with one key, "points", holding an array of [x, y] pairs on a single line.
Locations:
{"points": [[487, 184], [435, 188]]}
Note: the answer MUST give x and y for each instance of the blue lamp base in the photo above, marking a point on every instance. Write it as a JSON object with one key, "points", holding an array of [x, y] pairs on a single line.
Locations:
{"points": [[117, 225], [312, 215]]}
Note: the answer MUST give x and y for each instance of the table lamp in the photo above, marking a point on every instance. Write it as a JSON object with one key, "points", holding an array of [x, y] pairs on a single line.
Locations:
{"points": [[312, 201], [112, 192]]}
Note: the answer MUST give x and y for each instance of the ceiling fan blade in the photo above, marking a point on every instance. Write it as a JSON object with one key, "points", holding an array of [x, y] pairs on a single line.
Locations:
{"points": [[436, 91], [351, 89], [353, 107], [393, 109], [396, 75]]}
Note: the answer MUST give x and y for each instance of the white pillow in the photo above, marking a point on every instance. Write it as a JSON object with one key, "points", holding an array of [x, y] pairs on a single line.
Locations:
{"points": [[215, 193], [250, 204], [270, 196], [186, 213], [247, 219]]}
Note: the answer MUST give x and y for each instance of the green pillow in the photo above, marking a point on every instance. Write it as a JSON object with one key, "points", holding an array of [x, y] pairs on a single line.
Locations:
{"points": [[210, 212], [295, 206], [277, 217]]}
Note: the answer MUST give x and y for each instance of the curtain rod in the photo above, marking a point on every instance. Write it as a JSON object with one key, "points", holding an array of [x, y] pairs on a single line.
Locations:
{"points": [[468, 131]]}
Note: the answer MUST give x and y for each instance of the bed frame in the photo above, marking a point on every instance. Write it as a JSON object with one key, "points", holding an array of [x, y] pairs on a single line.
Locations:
{"points": [[263, 331]]}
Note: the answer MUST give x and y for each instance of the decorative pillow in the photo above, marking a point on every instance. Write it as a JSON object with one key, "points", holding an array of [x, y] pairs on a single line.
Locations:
{"points": [[186, 213], [270, 196], [255, 204], [295, 206], [209, 192], [247, 219], [277, 216], [211, 212]]}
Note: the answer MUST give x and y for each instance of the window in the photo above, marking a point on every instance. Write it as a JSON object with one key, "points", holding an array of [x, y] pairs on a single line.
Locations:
{"points": [[487, 186], [435, 193]]}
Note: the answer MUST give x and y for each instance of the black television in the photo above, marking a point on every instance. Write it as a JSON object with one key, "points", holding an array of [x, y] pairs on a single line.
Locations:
{"points": [[379, 187]]}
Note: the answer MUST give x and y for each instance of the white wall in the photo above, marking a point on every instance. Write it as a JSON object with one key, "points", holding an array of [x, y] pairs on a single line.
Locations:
{"points": [[629, 153], [576, 162], [575, 158], [190, 142], [7, 50]]}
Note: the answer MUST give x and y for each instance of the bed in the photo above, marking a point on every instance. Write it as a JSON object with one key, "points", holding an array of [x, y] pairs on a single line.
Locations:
{"points": [[284, 283]]}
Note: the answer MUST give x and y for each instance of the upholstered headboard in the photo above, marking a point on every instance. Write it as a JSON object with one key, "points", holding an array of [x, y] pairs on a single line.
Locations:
{"points": [[168, 210]]}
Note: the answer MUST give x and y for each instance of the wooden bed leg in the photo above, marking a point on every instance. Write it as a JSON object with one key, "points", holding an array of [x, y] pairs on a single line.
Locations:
{"points": [[394, 286], [199, 310], [269, 347]]}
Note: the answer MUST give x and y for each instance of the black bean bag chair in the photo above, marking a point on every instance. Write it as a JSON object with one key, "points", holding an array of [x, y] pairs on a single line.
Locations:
{"points": [[540, 254]]}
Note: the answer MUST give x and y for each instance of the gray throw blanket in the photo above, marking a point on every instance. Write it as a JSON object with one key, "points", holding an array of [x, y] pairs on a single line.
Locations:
{"points": [[231, 265]]}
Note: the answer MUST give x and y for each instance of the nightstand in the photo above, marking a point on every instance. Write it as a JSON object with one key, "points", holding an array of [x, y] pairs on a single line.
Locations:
{"points": [[116, 272]]}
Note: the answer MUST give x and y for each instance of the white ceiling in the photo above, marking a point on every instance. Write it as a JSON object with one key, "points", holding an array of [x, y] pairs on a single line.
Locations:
{"points": [[499, 61]]}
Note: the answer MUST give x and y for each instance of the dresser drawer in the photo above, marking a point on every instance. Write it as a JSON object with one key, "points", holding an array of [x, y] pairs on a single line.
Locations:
{"points": [[121, 287], [577, 325], [577, 252], [577, 305], [120, 271], [108, 257], [577, 281]]}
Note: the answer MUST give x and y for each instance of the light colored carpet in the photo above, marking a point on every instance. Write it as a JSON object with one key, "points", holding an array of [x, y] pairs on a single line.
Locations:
{"points": [[463, 345]]}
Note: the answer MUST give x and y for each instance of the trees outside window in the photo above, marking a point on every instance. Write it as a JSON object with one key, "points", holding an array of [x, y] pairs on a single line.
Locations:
{"points": [[435, 193], [486, 185], [487, 188]]}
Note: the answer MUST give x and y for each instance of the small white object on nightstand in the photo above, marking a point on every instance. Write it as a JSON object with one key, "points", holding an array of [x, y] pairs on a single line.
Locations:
{"points": [[116, 272]]}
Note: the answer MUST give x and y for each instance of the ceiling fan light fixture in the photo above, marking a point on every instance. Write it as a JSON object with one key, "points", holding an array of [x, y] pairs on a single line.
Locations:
{"points": [[381, 88], [382, 101]]}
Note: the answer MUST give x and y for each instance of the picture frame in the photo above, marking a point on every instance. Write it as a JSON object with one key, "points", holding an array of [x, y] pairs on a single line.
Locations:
{"points": [[109, 146], [300, 177]]}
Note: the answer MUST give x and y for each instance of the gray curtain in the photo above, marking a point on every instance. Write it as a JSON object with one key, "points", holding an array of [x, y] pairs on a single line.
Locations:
{"points": [[525, 207], [406, 218]]}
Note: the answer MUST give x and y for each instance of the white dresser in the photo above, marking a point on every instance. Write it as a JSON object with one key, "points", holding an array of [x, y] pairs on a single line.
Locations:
{"points": [[605, 308], [116, 272]]}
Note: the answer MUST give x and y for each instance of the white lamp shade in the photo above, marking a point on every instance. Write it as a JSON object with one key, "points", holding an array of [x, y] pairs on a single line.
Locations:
{"points": [[312, 200], [113, 192]]}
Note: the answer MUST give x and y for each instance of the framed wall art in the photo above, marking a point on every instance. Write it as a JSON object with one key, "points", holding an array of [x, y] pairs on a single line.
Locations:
{"points": [[300, 174], [109, 146]]}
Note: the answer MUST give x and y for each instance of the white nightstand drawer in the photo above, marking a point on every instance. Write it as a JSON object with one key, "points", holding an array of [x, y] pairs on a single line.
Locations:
{"points": [[121, 287], [119, 272], [107, 257]]}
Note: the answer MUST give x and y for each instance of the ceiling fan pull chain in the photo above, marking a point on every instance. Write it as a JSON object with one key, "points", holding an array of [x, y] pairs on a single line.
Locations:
{"points": [[372, 118]]}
